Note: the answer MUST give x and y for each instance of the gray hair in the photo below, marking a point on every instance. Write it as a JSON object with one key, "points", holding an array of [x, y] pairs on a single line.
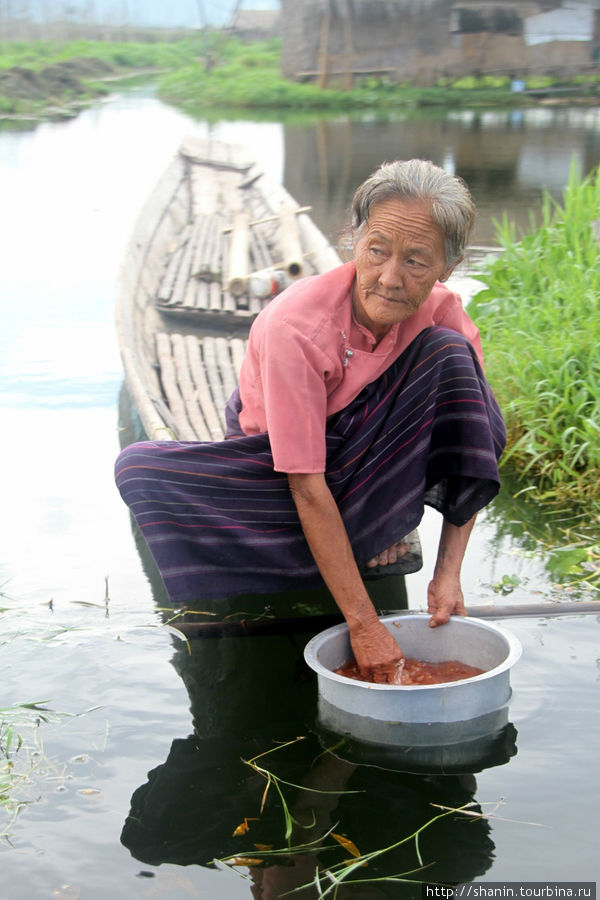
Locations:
{"points": [[452, 206]]}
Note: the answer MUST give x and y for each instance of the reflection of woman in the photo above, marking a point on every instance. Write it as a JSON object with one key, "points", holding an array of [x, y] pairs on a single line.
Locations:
{"points": [[361, 399], [188, 809]]}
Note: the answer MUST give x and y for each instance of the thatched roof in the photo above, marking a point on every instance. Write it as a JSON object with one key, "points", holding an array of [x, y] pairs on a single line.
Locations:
{"points": [[258, 20]]}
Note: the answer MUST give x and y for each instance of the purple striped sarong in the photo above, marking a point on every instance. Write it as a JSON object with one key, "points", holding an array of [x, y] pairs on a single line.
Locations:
{"points": [[220, 521]]}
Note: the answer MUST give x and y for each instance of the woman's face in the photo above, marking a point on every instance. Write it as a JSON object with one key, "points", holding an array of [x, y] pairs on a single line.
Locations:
{"points": [[399, 257]]}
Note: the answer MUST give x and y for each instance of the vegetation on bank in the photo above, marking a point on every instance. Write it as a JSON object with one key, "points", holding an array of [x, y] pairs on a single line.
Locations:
{"points": [[247, 76], [38, 74], [210, 70], [539, 316]]}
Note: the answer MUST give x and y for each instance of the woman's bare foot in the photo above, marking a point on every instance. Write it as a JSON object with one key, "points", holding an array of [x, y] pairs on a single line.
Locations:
{"points": [[386, 557]]}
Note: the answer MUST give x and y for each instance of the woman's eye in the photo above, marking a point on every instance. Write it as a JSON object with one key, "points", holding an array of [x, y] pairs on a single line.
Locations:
{"points": [[415, 264], [377, 251]]}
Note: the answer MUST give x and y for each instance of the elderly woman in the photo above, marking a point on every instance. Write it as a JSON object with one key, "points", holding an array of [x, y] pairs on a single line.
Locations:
{"points": [[361, 399]]}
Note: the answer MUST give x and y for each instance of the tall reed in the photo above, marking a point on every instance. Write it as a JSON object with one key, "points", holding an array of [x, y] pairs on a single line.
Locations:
{"points": [[539, 317]]}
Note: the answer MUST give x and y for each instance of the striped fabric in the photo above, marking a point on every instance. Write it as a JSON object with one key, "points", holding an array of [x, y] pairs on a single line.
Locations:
{"points": [[220, 521]]}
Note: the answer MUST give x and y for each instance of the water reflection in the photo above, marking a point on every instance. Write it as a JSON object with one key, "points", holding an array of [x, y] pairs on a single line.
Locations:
{"points": [[252, 695], [248, 696], [505, 158]]}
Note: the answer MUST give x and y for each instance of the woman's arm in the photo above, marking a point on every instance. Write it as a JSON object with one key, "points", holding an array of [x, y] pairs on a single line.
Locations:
{"points": [[375, 650], [444, 594]]}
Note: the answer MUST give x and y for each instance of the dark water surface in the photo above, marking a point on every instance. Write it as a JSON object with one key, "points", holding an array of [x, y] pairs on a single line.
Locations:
{"points": [[79, 623]]}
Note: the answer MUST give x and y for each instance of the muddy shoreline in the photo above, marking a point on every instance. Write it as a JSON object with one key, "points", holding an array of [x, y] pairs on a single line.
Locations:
{"points": [[60, 90]]}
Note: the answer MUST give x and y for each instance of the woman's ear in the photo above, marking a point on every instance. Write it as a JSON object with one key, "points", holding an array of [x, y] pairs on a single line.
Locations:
{"points": [[448, 272]]}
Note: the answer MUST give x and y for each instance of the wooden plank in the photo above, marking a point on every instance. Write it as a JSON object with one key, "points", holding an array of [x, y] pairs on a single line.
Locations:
{"points": [[189, 298], [183, 275], [238, 350], [210, 152], [217, 263], [209, 354], [205, 191], [202, 289], [255, 305], [168, 377], [215, 299], [187, 388], [168, 282], [259, 256], [201, 238], [205, 399], [225, 363]]}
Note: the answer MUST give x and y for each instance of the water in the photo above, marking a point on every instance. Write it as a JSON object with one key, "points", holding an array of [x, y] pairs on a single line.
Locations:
{"points": [[79, 625]]}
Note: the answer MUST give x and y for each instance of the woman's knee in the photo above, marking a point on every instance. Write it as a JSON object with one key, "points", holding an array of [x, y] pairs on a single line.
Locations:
{"points": [[135, 456]]}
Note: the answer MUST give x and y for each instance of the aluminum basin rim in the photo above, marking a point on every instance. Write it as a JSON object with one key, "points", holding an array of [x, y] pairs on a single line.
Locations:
{"points": [[514, 653]]}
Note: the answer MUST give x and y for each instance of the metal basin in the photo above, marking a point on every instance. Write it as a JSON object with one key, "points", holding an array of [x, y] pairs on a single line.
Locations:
{"points": [[439, 748], [472, 641]]}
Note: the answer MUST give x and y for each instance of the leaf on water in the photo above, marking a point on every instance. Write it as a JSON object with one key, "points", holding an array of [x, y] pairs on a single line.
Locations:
{"points": [[243, 827], [88, 603], [264, 847], [86, 792], [249, 861], [347, 844]]}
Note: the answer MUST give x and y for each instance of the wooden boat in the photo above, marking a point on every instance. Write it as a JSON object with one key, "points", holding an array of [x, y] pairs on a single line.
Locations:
{"points": [[214, 242]]}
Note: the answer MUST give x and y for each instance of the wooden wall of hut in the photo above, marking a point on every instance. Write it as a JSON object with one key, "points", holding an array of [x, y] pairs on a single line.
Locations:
{"points": [[334, 42]]}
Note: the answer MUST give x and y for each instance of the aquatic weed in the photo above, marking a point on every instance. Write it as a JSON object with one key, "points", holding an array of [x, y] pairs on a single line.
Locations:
{"points": [[330, 879]]}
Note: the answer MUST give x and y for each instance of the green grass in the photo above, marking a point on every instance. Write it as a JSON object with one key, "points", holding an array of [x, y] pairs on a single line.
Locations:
{"points": [[539, 317], [38, 54], [247, 76], [89, 62], [22, 761], [211, 71]]}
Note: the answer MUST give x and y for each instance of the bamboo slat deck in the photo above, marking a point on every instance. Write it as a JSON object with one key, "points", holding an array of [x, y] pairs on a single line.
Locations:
{"points": [[182, 316], [198, 375], [207, 268]]}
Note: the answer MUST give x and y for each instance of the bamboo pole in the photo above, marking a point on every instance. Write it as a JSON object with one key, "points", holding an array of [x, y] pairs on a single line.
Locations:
{"points": [[238, 255], [266, 219], [316, 623], [291, 247], [324, 47]]}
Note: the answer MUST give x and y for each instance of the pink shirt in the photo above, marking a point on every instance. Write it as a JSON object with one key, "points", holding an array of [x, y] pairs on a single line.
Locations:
{"points": [[293, 376]]}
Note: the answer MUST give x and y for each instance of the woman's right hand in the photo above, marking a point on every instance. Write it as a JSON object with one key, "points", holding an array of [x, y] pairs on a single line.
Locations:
{"points": [[375, 650], [377, 654]]}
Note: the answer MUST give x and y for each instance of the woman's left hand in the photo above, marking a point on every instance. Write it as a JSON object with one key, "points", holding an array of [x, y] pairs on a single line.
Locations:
{"points": [[444, 594], [444, 599]]}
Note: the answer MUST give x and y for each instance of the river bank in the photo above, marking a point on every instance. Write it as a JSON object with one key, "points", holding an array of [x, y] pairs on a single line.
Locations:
{"points": [[48, 80], [52, 79]]}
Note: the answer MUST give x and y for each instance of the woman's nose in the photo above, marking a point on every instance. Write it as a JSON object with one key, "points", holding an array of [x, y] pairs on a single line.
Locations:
{"points": [[391, 274]]}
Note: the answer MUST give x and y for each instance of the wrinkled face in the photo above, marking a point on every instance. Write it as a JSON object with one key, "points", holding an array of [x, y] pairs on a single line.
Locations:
{"points": [[399, 257]]}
